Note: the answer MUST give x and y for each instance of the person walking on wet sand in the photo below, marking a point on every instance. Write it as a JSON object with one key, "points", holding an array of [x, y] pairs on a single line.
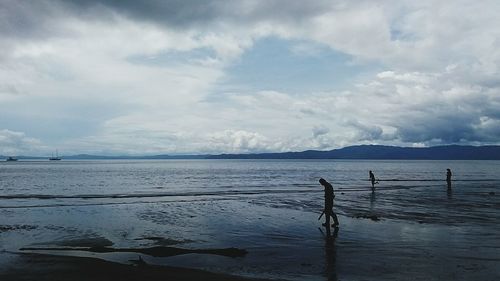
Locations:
{"points": [[448, 178], [328, 211], [372, 179]]}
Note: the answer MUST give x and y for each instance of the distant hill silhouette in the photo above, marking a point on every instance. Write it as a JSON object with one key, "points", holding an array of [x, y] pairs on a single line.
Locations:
{"points": [[150, 157], [449, 152]]}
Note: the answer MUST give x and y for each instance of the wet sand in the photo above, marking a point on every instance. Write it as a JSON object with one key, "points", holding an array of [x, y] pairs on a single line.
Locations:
{"points": [[152, 251], [54, 268], [273, 243]]}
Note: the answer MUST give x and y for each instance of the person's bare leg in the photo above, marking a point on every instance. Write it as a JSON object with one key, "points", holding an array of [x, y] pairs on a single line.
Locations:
{"points": [[335, 220], [327, 218]]}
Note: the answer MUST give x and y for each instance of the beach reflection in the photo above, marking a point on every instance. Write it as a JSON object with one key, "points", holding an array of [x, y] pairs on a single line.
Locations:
{"points": [[372, 201], [330, 254]]}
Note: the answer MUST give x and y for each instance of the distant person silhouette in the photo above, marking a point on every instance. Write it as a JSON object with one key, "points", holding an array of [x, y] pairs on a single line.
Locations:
{"points": [[372, 179], [448, 178], [328, 211]]}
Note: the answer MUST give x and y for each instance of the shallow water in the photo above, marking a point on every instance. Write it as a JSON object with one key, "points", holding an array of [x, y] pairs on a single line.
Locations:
{"points": [[270, 208]]}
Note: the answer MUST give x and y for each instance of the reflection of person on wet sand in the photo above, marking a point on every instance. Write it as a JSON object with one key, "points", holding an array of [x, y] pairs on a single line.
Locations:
{"points": [[330, 255], [372, 201], [328, 211], [448, 178], [372, 179]]}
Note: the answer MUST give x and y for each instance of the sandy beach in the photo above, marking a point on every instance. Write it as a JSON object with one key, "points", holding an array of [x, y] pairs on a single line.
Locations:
{"points": [[52, 267]]}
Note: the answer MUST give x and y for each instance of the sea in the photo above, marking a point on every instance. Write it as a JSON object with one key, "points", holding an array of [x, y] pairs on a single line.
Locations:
{"points": [[412, 227]]}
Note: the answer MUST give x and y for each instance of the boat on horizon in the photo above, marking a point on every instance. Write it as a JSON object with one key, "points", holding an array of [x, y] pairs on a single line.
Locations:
{"points": [[10, 158], [56, 158]]}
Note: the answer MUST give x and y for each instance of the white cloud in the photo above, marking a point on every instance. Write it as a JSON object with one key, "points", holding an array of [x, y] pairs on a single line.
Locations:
{"points": [[13, 143], [320, 131], [237, 141]]}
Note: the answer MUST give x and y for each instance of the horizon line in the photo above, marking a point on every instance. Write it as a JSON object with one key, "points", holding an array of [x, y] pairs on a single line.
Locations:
{"points": [[201, 155]]}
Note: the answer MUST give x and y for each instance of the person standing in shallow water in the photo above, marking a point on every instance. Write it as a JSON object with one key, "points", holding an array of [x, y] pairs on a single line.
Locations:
{"points": [[329, 195], [372, 179], [448, 178]]}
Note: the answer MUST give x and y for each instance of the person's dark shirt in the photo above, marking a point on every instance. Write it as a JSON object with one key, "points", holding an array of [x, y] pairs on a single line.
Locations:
{"points": [[372, 176], [328, 196]]}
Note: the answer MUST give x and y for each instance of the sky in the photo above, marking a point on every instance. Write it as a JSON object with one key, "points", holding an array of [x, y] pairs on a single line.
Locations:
{"points": [[133, 77]]}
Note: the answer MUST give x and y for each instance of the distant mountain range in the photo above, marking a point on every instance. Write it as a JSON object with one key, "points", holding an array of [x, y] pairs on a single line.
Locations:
{"points": [[448, 152]]}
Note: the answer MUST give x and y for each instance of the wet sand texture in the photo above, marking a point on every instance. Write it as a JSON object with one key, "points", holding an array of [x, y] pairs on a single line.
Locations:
{"points": [[42, 267], [153, 251]]}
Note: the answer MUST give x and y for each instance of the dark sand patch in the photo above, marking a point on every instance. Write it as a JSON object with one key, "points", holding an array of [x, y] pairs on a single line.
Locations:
{"points": [[153, 251], [85, 242], [368, 216], [5, 228], [42, 267], [161, 241]]}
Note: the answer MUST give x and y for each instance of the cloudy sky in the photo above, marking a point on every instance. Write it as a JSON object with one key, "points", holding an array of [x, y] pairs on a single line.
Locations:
{"points": [[212, 76]]}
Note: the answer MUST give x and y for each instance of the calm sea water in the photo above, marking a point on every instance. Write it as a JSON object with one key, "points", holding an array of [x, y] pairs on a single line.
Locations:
{"points": [[414, 190], [258, 204]]}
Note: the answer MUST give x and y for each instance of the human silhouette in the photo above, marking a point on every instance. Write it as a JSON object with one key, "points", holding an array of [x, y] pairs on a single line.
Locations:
{"points": [[448, 178], [372, 179], [328, 210]]}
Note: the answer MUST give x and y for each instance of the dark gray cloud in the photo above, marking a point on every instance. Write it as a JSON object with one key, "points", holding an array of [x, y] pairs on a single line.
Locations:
{"points": [[447, 127], [9, 89], [366, 132], [27, 19], [195, 12], [39, 18], [491, 107], [434, 129], [433, 108], [320, 131], [171, 12]]}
